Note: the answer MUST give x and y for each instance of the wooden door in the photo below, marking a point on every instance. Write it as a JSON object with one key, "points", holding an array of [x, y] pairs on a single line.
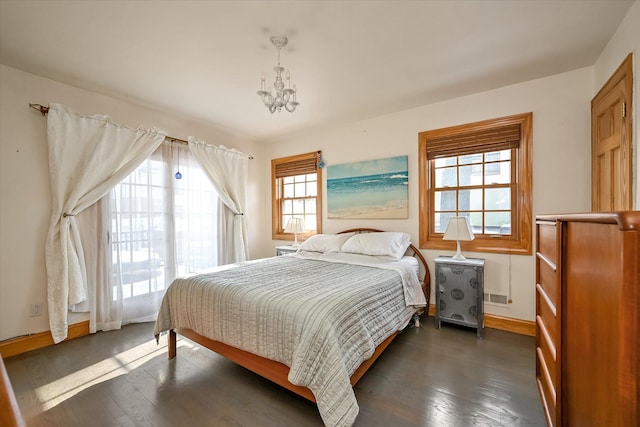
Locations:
{"points": [[611, 157]]}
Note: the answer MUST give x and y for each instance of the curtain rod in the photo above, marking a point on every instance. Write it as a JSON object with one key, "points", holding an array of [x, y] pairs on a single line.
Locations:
{"points": [[44, 110]]}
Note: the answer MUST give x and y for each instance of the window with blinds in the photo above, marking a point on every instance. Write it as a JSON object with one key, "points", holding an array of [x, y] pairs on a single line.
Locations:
{"points": [[296, 183], [481, 171]]}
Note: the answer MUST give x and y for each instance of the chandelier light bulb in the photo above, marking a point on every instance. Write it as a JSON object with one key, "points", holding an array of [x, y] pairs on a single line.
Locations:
{"points": [[284, 96]]}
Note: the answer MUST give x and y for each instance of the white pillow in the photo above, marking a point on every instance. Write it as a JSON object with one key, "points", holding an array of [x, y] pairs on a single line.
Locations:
{"points": [[325, 243], [386, 243]]}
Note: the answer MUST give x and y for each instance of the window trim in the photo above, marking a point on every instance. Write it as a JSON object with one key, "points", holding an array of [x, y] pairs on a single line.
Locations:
{"points": [[520, 242], [277, 228]]}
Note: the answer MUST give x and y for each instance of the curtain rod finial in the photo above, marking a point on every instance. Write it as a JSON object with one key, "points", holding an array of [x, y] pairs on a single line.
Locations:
{"points": [[43, 110]]}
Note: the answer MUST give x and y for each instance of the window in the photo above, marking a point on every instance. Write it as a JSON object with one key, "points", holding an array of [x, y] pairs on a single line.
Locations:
{"points": [[481, 171], [161, 228], [296, 188]]}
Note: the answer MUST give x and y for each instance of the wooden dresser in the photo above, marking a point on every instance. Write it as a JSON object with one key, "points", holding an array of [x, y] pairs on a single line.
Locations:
{"points": [[588, 318]]}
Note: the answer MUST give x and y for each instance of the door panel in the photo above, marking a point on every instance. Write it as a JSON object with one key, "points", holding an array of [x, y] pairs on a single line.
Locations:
{"points": [[611, 163]]}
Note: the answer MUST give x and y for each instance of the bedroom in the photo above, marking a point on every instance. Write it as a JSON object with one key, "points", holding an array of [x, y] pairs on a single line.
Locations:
{"points": [[560, 103]]}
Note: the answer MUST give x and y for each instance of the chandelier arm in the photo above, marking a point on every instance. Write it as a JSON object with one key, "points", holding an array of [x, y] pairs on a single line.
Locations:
{"points": [[267, 98], [291, 106]]}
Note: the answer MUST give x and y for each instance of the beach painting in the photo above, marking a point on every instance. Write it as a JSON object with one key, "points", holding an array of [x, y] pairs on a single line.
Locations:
{"points": [[373, 189]]}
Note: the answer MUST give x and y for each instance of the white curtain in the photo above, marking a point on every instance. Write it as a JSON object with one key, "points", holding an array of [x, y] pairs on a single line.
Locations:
{"points": [[105, 310], [161, 228], [87, 157], [228, 170]]}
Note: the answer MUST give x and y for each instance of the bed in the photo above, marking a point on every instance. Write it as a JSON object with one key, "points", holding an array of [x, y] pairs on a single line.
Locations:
{"points": [[313, 321]]}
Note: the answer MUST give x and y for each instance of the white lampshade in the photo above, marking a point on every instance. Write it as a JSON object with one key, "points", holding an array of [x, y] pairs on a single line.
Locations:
{"points": [[295, 226], [458, 229]]}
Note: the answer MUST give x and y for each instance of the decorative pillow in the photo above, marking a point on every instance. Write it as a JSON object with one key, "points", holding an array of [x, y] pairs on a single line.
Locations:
{"points": [[386, 243], [325, 243]]}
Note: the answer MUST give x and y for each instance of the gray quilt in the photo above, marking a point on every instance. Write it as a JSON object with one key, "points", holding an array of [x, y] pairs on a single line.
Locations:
{"points": [[322, 319]]}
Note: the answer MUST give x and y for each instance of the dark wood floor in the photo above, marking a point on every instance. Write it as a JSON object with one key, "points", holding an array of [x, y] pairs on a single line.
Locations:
{"points": [[427, 377]]}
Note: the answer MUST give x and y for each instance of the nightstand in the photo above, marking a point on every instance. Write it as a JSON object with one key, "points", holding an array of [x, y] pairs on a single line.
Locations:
{"points": [[285, 249], [459, 292]]}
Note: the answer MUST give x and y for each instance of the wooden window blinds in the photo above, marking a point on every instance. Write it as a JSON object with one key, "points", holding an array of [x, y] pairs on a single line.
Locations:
{"points": [[472, 142], [297, 165]]}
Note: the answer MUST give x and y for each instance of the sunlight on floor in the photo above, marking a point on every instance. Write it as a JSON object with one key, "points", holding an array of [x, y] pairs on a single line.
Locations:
{"points": [[56, 392]]}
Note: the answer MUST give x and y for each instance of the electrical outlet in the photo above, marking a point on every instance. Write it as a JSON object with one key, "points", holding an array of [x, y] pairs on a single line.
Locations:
{"points": [[35, 310]]}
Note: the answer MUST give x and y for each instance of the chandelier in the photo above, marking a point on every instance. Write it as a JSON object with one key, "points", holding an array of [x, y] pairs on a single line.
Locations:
{"points": [[285, 95]]}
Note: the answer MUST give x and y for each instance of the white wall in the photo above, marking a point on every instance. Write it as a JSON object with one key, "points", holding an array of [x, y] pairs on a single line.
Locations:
{"points": [[25, 196], [561, 159], [626, 40]]}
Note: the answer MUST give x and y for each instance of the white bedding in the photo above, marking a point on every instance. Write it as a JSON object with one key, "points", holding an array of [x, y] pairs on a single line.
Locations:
{"points": [[408, 267], [321, 315]]}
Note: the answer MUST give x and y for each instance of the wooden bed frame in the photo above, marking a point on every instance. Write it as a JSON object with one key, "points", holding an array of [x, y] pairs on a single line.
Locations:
{"points": [[278, 372]]}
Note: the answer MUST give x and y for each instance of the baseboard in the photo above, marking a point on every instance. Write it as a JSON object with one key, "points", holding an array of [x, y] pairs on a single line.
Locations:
{"points": [[39, 340], [509, 324]]}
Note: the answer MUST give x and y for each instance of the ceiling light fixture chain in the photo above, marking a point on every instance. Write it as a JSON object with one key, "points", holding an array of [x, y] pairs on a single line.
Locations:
{"points": [[285, 94]]}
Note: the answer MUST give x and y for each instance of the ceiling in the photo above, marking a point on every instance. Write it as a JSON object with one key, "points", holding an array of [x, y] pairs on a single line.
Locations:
{"points": [[350, 60]]}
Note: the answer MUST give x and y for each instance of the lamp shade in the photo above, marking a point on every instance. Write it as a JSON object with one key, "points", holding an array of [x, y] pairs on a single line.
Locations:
{"points": [[458, 229], [294, 225]]}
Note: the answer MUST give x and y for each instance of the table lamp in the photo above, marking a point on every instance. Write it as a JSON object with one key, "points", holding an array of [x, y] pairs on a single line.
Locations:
{"points": [[458, 229], [295, 226]]}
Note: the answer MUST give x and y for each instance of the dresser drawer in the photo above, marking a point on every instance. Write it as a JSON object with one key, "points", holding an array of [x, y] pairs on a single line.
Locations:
{"points": [[547, 241], [548, 404], [548, 279], [546, 313], [546, 349]]}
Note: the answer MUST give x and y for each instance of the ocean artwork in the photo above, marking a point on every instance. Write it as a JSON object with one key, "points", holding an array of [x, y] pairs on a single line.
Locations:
{"points": [[374, 189]]}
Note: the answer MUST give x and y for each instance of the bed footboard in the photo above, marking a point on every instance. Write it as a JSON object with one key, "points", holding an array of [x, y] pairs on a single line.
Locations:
{"points": [[269, 369]]}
